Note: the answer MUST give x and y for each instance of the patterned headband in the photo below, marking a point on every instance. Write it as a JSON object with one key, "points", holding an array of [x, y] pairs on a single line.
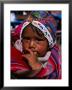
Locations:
{"points": [[43, 29]]}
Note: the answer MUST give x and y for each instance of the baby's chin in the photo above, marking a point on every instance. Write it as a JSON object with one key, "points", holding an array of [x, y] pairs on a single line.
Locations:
{"points": [[41, 54]]}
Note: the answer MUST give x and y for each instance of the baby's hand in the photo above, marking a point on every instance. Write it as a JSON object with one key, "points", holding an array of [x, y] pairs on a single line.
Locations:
{"points": [[31, 58]]}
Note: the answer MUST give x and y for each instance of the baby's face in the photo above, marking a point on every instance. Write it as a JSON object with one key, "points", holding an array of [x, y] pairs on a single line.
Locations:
{"points": [[34, 42]]}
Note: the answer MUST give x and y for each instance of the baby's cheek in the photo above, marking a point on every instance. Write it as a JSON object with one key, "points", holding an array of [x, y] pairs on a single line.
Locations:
{"points": [[42, 50], [25, 45]]}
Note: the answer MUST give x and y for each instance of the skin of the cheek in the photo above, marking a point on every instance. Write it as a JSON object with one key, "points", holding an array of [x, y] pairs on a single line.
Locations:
{"points": [[25, 45], [42, 49]]}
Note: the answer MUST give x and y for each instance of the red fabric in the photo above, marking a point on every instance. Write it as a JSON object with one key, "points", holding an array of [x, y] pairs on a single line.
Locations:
{"points": [[17, 61], [17, 64]]}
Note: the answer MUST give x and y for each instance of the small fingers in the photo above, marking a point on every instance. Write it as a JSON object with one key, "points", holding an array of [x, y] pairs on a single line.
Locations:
{"points": [[27, 51], [25, 56]]}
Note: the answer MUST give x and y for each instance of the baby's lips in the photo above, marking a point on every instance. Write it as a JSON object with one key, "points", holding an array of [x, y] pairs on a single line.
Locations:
{"points": [[35, 52]]}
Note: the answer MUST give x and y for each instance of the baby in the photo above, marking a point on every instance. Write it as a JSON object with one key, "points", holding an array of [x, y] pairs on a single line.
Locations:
{"points": [[35, 54]]}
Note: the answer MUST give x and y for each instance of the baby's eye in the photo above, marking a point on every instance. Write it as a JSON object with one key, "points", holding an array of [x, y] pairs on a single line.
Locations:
{"points": [[38, 39], [26, 38]]}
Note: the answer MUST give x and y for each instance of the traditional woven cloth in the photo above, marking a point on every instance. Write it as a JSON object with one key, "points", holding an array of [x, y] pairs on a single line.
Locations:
{"points": [[51, 71]]}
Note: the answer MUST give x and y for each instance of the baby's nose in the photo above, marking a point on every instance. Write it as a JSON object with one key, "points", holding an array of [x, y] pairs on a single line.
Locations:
{"points": [[32, 44]]}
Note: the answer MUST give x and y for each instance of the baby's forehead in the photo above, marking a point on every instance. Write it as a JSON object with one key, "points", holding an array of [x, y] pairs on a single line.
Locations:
{"points": [[33, 31]]}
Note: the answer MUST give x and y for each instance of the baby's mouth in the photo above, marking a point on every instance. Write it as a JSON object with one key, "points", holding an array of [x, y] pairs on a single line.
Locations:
{"points": [[35, 52]]}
